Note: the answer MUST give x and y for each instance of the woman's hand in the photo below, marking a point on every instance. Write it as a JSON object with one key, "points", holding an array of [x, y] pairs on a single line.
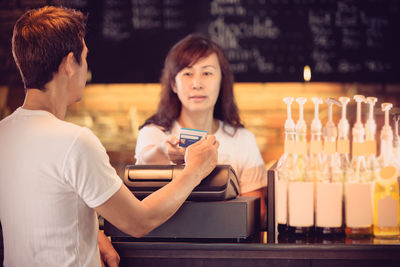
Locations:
{"points": [[175, 153]]}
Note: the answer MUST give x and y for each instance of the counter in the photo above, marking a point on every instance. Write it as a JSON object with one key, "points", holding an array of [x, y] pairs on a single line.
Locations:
{"points": [[258, 253]]}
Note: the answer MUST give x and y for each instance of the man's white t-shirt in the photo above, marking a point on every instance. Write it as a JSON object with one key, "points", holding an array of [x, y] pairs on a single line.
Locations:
{"points": [[239, 149], [52, 174]]}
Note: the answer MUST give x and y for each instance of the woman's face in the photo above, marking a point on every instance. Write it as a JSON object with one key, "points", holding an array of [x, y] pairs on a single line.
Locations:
{"points": [[198, 86]]}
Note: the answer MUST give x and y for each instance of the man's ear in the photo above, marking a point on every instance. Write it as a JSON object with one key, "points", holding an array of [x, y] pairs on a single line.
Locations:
{"points": [[67, 64], [173, 86]]}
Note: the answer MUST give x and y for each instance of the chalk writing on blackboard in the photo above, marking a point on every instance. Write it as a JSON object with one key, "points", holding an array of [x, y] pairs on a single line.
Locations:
{"points": [[264, 40]]}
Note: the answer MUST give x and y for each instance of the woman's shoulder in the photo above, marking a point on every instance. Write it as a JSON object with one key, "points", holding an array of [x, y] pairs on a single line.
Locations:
{"points": [[239, 132], [152, 127]]}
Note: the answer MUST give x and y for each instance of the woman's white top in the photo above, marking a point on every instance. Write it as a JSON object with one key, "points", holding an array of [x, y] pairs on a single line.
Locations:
{"points": [[238, 149]]}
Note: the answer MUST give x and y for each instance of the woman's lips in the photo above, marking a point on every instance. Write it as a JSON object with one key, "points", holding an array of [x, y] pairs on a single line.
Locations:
{"points": [[197, 98]]}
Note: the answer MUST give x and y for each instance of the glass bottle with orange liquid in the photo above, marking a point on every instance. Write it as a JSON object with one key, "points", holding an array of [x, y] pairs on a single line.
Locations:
{"points": [[386, 190]]}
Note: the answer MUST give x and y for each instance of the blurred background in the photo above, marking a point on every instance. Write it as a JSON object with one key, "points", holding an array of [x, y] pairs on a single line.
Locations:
{"points": [[351, 47]]}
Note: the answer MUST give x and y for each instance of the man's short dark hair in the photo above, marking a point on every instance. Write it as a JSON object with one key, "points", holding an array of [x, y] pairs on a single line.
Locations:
{"points": [[42, 38]]}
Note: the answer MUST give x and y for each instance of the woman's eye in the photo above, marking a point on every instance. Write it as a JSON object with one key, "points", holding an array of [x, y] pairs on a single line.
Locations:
{"points": [[207, 73], [187, 74]]}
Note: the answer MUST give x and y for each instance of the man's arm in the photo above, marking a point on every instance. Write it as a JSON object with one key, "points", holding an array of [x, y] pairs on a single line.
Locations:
{"points": [[137, 218]]}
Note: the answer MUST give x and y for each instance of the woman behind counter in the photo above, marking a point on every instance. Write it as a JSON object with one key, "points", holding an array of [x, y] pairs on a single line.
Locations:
{"points": [[197, 93]]}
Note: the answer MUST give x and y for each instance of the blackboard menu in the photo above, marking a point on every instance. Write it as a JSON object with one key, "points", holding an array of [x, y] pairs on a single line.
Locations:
{"points": [[264, 40]]}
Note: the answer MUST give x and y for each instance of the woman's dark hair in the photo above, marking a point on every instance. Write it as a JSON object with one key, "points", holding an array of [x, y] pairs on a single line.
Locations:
{"points": [[42, 38], [185, 53]]}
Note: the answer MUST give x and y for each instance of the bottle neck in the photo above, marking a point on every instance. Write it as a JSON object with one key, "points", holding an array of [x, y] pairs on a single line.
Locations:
{"points": [[358, 138], [386, 152], [301, 136], [316, 136], [290, 136]]}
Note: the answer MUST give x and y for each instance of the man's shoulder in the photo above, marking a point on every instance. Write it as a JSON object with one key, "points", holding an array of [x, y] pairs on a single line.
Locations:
{"points": [[65, 128], [66, 132], [4, 120]]}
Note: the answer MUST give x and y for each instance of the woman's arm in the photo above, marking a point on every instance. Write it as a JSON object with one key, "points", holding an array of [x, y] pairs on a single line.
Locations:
{"points": [[154, 146], [153, 154], [262, 192], [162, 153], [253, 174]]}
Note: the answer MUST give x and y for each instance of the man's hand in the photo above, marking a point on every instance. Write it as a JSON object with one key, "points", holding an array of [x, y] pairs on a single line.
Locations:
{"points": [[108, 255], [202, 156]]}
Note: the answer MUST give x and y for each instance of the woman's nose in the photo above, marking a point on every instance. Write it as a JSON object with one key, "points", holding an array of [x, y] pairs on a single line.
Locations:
{"points": [[196, 82]]}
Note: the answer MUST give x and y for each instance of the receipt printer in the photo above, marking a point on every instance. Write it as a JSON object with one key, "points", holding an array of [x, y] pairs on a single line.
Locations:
{"points": [[220, 184]]}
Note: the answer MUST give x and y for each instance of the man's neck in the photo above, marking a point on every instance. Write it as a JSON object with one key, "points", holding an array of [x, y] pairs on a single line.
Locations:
{"points": [[49, 100]]}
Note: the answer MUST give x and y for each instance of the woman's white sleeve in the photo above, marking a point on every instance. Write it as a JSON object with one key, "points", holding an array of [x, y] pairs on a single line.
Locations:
{"points": [[148, 135]]}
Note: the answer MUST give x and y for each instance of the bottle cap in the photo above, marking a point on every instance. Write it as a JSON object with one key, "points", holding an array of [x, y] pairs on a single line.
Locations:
{"points": [[289, 123], [386, 132], [370, 125], [330, 130], [358, 128], [396, 118], [316, 124], [301, 126], [343, 125]]}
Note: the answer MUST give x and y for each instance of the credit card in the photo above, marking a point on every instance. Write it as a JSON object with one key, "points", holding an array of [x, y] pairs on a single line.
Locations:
{"points": [[190, 136]]}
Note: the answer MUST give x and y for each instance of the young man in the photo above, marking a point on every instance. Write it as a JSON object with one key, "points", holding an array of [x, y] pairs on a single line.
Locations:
{"points": [[54, 175]]}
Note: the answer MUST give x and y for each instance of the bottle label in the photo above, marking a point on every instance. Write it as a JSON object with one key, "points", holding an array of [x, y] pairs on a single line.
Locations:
{"points": [[301, 204], [358, 149], [329, 147], [387, 211], [388, 173], [281, 201], [315, 146], [329, 201], [370, 147], [290, 147], [343, 146], [358, 204]]}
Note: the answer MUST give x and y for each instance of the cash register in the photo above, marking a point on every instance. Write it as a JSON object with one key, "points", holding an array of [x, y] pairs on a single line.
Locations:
{"points": [[212, 211]]}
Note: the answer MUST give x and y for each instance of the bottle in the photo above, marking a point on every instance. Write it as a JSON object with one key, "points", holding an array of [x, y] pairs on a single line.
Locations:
{"points": [[370, 141], [386, 204], [386, 191], [315, 165], [396, 142], [300, 187], [285, 170], [329, 185], [358, 185], [343, 143], [316, 160]]}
